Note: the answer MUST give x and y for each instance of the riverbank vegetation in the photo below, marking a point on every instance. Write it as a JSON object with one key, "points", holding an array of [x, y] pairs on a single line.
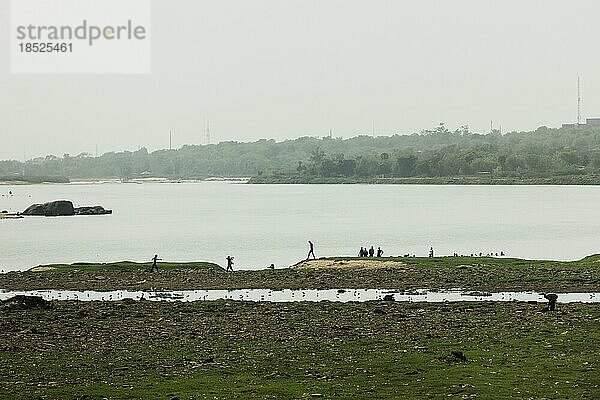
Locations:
{"points": [[223, 350], [399, 273], [17, 179], [545, 156], [232, 349]]}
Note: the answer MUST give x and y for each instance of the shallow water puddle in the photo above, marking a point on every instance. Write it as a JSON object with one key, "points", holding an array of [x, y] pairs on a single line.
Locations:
{"points": [[286, 296]]}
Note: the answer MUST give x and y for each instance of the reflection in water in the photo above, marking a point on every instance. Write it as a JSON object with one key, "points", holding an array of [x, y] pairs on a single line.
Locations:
{"points": [[286, 296]]}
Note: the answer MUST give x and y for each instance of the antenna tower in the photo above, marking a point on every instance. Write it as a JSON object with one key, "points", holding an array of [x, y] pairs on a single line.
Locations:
{"points": [[578, 102], [207, 132]]}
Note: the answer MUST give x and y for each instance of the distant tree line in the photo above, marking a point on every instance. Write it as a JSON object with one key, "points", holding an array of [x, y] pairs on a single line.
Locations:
{"points": [[437, 152]]}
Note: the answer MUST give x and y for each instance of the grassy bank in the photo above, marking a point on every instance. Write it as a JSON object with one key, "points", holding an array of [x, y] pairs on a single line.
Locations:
{"points": [[442, 180], [123, 266], [20, 179], [475, 273], [224, 350]]}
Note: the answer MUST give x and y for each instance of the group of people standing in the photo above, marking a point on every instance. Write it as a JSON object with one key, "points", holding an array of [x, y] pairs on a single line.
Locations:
{"points": [[364, 252]]}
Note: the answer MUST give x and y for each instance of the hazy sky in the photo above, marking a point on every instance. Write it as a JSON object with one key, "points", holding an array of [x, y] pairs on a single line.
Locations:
{"points": [[288, 68]]}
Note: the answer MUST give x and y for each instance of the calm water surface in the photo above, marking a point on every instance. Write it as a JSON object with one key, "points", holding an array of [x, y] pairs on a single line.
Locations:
{"points": [[291, 296], [264, 224]]}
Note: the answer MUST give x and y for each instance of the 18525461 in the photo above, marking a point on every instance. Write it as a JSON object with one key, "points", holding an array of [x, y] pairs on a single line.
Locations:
{"points": [[46, 47]]}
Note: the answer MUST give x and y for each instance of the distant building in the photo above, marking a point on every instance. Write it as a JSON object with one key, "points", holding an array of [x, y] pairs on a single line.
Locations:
{"points": [[590, 122], [569, 126], [593, 121]]}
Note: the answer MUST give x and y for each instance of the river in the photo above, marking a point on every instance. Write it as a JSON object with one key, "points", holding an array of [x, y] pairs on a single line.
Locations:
{"points": [[264, 224]]}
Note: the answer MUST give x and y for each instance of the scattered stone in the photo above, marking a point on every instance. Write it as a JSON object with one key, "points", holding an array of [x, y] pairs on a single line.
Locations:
{"points": [[95, 210], [414, 372], [26, 302], [458, 356]]}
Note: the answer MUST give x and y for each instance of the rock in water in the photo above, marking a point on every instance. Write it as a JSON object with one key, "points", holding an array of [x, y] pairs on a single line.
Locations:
{"points": [[96, 210], [64, 208], [51, 209]]}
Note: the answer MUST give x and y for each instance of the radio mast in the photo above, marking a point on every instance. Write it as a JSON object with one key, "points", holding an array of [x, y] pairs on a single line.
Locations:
{"points": [[207, 140], [578, 102]]}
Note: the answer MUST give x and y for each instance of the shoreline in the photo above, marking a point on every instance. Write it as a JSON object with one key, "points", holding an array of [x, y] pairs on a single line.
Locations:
{"points": [[566, 180], [234, 349], [478, 274]]}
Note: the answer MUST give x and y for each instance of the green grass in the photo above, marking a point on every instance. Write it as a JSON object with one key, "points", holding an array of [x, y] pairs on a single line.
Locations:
{"points": [[470, 273], [128, 266], [255, 350]]}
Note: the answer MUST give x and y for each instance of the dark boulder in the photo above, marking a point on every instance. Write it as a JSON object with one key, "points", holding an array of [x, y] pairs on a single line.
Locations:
{"points": [[458, 356], [63, 208], [23, 302], [95, 210], [51, 209]]}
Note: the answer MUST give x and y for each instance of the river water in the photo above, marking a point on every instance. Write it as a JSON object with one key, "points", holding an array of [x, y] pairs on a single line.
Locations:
{"points": [[264, 224], [290, 296]]}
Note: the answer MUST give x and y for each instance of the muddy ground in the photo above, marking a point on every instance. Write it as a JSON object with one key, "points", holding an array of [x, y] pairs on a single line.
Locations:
{"points": [[225, 350]]}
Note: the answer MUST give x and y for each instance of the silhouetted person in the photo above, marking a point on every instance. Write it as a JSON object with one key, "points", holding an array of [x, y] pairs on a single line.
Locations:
{"points": [[551, 300], [272, 266], [155, 261], [311, 250], [502, 254], [361, 253], [229, 263], [371, 252], [431, 252], [379, 252]]}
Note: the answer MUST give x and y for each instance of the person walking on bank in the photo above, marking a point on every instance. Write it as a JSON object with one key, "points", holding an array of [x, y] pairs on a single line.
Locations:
{"points": [[311, 251], [379, 252], [155, 260], [371, 251], [431, 252], [229, 264]]}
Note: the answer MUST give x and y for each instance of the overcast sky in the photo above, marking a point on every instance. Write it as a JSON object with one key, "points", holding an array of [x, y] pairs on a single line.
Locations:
{"points": [[288, 68]]}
